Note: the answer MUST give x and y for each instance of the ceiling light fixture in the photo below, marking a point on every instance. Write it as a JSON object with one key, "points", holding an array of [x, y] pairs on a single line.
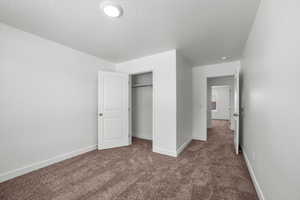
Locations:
{"points": [[111, 9], [224, 58]]}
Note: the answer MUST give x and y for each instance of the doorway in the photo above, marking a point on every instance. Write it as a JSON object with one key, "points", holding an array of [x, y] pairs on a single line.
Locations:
{"points": [[141, 119], [222, 102]]}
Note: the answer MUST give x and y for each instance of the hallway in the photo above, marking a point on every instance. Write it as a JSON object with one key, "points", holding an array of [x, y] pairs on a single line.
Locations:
{"points": [[204, 171]]}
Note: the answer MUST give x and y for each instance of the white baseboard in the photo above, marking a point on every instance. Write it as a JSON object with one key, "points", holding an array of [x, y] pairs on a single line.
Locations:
{"points": [[252, 174], [199, 138], [183, 146], [164, 151], [170, 152], [143, 136], [24, 170]]}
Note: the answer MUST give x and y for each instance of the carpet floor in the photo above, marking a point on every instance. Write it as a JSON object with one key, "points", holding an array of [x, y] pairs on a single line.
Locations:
{"points": [[203, 171]]}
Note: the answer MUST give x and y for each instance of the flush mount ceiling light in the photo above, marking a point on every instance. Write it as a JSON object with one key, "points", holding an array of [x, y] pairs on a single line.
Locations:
{"points": [[224, 58], [111, 9]]}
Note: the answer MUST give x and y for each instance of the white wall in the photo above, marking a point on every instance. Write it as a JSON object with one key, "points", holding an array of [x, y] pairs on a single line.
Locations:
{"points": [[271, 99], [142, 101], [219, 81], [200, 75], [48, 101], [222, 94], [184, 101], [163, 66]]}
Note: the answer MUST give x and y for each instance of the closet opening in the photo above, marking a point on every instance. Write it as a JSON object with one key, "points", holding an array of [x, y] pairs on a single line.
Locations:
{"points": [[141, 125]]}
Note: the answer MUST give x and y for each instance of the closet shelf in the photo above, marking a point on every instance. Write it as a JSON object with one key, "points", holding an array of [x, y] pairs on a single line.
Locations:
{"points": [[142, 85]]}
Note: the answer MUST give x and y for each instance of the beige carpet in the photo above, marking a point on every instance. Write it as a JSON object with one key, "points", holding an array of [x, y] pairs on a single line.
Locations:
{"points": [[204, 171]]}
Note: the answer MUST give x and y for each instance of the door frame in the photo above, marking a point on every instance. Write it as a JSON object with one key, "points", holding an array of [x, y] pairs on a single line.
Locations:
{"points": [[154, 106], [205, 103]]}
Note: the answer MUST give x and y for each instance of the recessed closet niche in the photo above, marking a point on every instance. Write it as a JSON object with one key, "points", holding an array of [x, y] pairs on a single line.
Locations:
{"points": [[142, 105]]}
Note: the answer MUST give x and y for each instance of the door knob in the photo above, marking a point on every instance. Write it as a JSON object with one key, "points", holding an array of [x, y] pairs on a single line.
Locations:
{"points": [[100, 114], [236, 114]]}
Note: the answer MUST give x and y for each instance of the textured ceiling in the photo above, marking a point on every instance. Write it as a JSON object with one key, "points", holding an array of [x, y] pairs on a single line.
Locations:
{"points": [[202, 30]]}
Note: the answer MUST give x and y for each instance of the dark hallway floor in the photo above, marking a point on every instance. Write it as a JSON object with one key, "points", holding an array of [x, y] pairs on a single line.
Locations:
{"points": [[204, 171]]}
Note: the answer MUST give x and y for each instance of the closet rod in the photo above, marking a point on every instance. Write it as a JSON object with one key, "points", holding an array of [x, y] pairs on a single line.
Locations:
{"points": [[142, 85]]}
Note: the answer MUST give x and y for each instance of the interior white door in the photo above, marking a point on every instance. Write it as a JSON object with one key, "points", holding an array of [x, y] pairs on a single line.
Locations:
{"points": [[236, 114], [113, 109]]}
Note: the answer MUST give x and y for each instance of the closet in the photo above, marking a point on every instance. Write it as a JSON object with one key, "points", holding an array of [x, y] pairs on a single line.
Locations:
{"points": [[142, 105]]}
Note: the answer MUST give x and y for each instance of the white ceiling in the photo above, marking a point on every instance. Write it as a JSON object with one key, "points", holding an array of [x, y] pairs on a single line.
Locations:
{"points": [[202, 30]]}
